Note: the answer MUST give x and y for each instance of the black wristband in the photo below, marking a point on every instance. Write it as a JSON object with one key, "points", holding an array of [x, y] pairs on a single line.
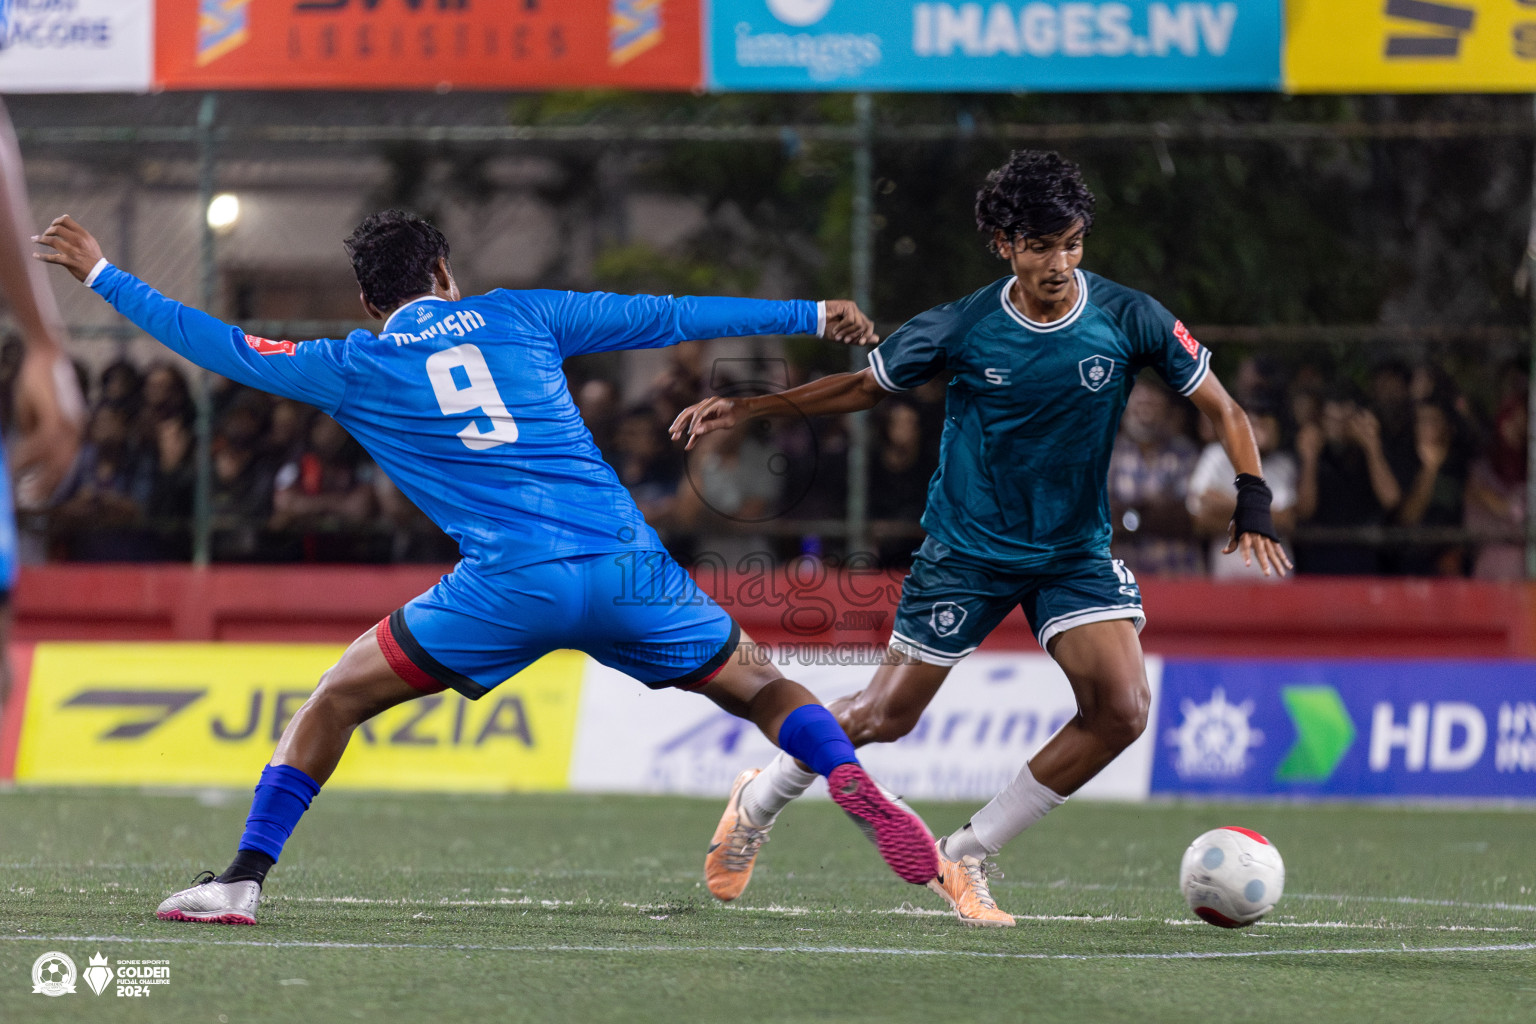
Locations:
{"points": [[1252, 512]]}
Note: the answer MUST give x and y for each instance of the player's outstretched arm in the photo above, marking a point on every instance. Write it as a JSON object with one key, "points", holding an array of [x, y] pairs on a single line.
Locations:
{"points": [[312, 372], [828, 396], [583, 322], [1252, 531]]}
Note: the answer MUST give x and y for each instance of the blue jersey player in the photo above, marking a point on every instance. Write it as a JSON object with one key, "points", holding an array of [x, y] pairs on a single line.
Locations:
{"points": [[463, 402], [1042, 362]]}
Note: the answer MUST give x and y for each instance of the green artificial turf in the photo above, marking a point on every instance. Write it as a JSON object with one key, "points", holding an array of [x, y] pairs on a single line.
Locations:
{"points": [[578, 908]]}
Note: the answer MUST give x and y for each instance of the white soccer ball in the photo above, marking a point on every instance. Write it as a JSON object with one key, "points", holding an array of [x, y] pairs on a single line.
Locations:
{"points": [[1232, 876]]}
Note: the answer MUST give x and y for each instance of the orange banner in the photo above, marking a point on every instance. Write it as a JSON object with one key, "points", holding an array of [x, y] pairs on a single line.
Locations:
{"points": [[427, 44]]}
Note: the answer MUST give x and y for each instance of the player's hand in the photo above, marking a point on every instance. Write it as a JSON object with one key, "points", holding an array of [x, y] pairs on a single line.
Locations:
{"points": [[74, 248], [848, 324], [704, 417], [49, 415], [1271, 556]]}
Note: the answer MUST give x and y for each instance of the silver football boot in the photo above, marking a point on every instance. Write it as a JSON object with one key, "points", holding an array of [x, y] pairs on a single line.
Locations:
{"points": [[210, 901]]}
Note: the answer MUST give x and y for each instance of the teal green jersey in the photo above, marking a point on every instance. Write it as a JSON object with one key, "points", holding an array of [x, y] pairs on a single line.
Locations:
{"points": [[1032, 412]]}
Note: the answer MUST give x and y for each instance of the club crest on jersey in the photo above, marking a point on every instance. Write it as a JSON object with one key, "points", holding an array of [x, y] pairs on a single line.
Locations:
{"points": [[947, 617], [1096, 371], [267, 347], [1186, 339]]}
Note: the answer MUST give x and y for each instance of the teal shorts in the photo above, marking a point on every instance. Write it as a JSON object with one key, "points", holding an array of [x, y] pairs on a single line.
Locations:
{"points": [[951, 601]]}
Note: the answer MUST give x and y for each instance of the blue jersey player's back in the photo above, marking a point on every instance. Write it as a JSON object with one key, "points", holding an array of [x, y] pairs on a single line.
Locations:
{"points": [[465, 406]]}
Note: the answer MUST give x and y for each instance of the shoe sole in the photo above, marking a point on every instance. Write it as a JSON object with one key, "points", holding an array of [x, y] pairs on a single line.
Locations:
{"points": [[182, 915], [969, 922], [902, 839]]}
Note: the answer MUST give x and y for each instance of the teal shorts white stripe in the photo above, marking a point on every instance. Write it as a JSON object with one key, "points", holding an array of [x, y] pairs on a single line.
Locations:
{"points": [[950, 602]]}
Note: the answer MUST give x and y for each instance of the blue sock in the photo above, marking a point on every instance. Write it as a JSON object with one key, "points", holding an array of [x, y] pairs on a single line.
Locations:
{"points": [[282, 797], [810, 734]]}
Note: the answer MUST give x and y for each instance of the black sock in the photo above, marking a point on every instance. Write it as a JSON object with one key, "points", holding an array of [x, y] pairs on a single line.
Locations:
{"points": [[248, 866]]}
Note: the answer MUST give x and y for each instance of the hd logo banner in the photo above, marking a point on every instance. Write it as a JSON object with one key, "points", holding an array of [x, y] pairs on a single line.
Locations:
{"points": [[1410, 46], [210, 714], [427, 44], [1348, 728], [76, 45], [904, 44]]}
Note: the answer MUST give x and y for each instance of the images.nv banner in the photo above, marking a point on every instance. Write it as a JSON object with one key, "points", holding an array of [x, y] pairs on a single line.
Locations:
{"points": [[994, 46]]}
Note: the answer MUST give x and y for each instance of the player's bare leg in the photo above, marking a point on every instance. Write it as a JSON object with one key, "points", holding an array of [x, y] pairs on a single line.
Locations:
{"points": [[359, 686], [753, 689], [1103, 662]]}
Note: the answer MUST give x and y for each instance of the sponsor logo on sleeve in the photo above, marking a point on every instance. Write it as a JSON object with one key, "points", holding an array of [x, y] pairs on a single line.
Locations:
{"points": [[267, 347], [1186, 339]]}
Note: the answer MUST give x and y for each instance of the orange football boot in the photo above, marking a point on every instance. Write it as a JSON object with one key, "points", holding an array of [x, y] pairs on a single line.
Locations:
{"points": [[733, 848], [963, 883]]}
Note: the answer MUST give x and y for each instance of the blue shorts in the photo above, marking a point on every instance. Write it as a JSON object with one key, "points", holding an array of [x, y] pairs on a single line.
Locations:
{"points": [[636, 611], [950, 602]]}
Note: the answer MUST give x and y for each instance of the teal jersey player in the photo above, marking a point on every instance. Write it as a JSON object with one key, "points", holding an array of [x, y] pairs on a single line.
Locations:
{"points": [[1032, 411], [1041, 365]]}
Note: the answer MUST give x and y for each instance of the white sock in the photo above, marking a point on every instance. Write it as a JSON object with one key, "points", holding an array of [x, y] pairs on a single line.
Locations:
{"points": [[768, 794], [1022, 802]]}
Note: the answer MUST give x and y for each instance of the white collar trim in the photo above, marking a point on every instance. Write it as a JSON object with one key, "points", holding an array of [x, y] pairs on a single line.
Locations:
{"points": [[1055, 325], [408, 305]]}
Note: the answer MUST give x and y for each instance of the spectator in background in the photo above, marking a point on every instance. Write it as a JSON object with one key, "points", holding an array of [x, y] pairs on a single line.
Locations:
{"points": [[1148, 473], [287, 427], [169, 479], [12, 351], [1392, 404], [100, 499], [1343, 480], [1495, 495], [164, 396], [730, 487], [1212, 494], [898, 479], [598, 402], [122, 386], [242, 488], [648, 466], [1435, 497], [328, 488]]}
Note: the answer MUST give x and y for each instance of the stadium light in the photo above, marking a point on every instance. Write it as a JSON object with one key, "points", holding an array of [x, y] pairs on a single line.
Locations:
{"points": [[223, 211]]}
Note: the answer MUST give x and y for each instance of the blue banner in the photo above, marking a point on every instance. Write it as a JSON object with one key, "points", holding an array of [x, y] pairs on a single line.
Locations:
{"points": [[1060, 47], [1347, 728]]}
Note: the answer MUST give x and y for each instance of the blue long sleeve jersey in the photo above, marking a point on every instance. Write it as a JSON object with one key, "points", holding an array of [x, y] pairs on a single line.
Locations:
{"points": [[465, 405]]}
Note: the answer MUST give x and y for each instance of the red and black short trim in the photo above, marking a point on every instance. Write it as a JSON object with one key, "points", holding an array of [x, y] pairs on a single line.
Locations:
{"points": [[707, 671], [411, 662]]}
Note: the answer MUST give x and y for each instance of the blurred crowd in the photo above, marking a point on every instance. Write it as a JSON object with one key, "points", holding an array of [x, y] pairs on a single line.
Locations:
{"points": [[1402, 474]]}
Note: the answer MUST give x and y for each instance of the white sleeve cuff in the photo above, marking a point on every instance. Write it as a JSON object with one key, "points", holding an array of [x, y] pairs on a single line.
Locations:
{"points": [[821, 319], [90, 279]]}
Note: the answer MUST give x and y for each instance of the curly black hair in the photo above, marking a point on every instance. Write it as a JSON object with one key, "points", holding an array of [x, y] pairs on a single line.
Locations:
{"points": [[1037, 193], [393, 254]]}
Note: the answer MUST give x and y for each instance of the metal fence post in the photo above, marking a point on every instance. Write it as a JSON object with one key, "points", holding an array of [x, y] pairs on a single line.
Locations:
{"points": [[202, 498], [862, 281]]}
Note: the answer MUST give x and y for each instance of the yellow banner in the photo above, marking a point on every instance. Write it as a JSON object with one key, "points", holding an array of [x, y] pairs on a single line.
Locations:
{"points": [[1410, 46], [210, 714]]}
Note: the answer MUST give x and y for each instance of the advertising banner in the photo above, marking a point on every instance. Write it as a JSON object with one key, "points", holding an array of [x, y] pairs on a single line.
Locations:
{"points": [[993, 712], [1410, 46], [1347, 728], [76, 45], [428, 44], [994, 46], [210, 714]]}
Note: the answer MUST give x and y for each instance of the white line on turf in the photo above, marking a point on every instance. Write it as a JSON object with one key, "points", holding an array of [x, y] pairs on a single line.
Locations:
{"points": [[905, 910], [1405, 950]]}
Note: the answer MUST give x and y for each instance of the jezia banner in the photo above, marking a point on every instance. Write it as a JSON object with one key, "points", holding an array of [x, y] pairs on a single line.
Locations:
{"points": [[903, 44], [1348, 728], [427, 44], [210, 714]]}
